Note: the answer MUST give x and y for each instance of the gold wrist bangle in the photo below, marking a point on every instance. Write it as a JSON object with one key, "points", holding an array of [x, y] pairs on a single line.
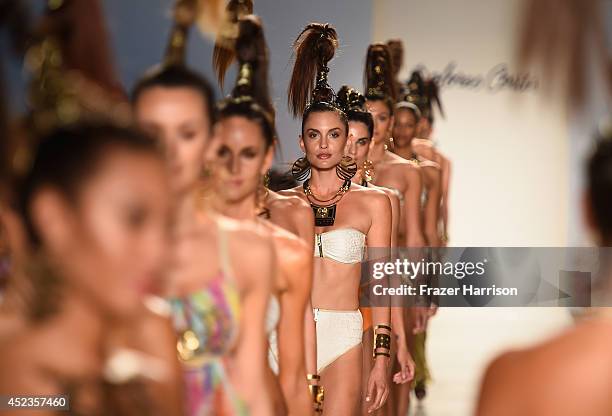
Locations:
{"points": [[318, 395], [382, 341], [382, 326], [382, 344]]}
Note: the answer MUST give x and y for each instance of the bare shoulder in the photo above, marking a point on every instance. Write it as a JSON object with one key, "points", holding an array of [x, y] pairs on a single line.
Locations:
{"points": [[418, 143], [501, 382], [251, 241], [293, 250], [291, 212], [11, 322], [292, 192], [12, 347], [405, 166], [151, 331], [287, 238], [559, 364], [37, 355], [373, 197], [20, 364], [251, 248], [391, 194], [392, 158], [583, 347], [504, 368], [288, 199], [429, 164], [431, 173], [411, 168], [156, 316]]}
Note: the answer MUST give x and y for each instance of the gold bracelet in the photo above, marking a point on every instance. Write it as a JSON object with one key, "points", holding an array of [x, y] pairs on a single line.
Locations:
{"points": [[318, 395], [382, 342], [382, 326]]}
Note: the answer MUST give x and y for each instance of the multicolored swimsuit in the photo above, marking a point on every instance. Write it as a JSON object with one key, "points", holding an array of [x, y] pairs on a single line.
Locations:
{"points": [[207, 323]]}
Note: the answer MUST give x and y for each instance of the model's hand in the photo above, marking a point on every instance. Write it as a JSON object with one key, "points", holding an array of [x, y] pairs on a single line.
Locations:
{"points": [[406, 363], [378, 385], [421, 315]]}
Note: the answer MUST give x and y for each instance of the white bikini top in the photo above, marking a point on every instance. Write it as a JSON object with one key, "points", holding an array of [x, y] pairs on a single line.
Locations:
{"points": [[344, 245]]}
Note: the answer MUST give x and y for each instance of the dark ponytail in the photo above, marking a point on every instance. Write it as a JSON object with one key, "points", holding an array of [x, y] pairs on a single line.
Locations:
{"points": [[378, 75], [313, 49], [424, 93], [250, 95], [251, 49], [309, 91], [396, 50], [224, 52]]}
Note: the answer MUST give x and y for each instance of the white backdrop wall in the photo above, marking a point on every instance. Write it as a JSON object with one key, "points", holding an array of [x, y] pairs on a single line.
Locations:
{"points": [[509, 148]]}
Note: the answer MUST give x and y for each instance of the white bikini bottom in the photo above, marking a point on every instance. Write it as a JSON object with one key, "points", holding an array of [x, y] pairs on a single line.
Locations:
{"points": [[337, 332]]}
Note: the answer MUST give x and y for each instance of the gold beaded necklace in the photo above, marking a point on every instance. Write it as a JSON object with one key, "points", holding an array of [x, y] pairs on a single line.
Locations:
{"points": [[325, 214]]}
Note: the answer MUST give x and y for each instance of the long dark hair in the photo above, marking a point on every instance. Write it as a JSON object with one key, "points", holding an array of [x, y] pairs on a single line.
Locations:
{"points": [[378, 75], [251, 96], [600, 187], [396, 49], [309, 91]]}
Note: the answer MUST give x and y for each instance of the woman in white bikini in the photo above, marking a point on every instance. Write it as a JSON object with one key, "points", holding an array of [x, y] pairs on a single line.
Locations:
{"points": [[347, 217]]}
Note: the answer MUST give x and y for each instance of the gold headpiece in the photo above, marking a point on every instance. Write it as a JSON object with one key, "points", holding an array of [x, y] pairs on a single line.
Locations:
{"points": [[423, 93], [379, 72], [210, 16], [225, 43], [184, 16], [60, 94]]}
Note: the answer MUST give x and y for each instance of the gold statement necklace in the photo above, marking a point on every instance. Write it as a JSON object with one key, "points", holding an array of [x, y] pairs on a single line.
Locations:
{"points": [[325, 212]]}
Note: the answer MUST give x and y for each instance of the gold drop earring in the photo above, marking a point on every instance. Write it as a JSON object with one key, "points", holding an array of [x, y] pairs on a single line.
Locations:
{"points": [[300, 169]]}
